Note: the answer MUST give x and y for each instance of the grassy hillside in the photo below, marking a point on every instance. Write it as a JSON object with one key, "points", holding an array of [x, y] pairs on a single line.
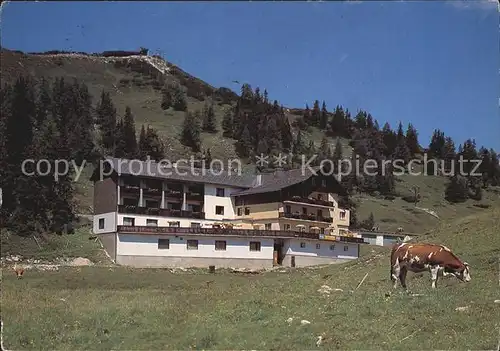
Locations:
{"points": [[133, 82], [122, 308]]}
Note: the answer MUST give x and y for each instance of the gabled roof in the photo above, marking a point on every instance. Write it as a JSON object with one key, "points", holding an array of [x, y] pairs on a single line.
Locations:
{"points": [[272, 182], [249, 184], [181, 173]]}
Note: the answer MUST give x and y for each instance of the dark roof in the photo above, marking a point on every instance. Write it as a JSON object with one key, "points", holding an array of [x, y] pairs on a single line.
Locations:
{"points": [[272, 182], [182, 173], [269, 182]]}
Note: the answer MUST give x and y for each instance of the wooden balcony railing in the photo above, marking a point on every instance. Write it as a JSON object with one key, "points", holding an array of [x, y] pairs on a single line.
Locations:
{"points": [[152, 191], [162, 212], [306, 200], [307, 217], [173, 193], [197, 196], [235, 232]]}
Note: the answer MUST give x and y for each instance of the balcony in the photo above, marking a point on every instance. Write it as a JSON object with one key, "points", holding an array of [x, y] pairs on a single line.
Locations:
{"points": [[132, 209], [194, 196], [130, 188], [236, 232], [152, 191], [216, 231], [310, 201], [306, 217], [174, 193]]}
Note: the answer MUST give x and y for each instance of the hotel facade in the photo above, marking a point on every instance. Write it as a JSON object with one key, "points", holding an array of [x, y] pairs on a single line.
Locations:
{"points": [[157, 216]]}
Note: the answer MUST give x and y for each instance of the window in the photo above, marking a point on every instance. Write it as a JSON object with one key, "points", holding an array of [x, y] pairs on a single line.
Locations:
{"points": [[304, 210], [174, 224], [219, 210], [318, 246], [313, 181], [268, 226], [323, 183], [322, 230], [129, 221], [101, 223], [346, 248], [247, 211], [192, 244], [288, 209], [332, 247], [195, 225], [163, 244], [301, 228], [152, 222], [302, 245], [320, 197], [239, 211], [219, 192], [319, 213], [342, 215], [287, 226], [220, 245], [254, 245]]}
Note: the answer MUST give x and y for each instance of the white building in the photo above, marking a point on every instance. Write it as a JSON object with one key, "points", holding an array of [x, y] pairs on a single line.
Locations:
{"points": [[148, 219]]}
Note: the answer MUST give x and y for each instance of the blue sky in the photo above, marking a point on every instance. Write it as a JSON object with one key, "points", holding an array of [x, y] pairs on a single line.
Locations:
{"points": [[435, 64]]}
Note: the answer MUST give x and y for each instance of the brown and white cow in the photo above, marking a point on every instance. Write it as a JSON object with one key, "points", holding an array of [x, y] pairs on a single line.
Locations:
{"points": [[419, 258]]}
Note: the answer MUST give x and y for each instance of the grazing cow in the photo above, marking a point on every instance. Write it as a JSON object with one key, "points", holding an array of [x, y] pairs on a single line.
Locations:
{"points": [[422, 257]]}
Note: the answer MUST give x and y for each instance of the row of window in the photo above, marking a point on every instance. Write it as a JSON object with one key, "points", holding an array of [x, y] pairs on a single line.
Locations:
{"points": [[318, 246], [220, 245], [288, 209]]}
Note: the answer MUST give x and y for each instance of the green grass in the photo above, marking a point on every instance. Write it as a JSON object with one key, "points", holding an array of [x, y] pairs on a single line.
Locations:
{"points": [[50, 247], [145, 103], [123, 308]]}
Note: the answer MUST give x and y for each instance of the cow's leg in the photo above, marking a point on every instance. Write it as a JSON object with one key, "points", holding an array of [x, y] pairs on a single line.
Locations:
{"points": [[402, 277], [396, 271], [434, 274]]}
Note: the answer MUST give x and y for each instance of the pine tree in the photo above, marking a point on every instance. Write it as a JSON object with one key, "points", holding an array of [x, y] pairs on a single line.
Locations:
{"points": [[143, 145], [323, 121], [390, 139], [106, 115], [227, 124], [166, 97], [315, 114], [244, 146], [209, 123], [190, 135], [412, 140], [179, 102], [457, 189], [128, 134]]}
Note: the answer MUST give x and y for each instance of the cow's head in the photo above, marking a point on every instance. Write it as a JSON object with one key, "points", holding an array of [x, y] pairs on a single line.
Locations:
{"points": [[464, 273]]}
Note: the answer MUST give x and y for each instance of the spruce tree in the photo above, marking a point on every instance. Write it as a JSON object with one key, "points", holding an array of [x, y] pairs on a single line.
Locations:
{"points": [[106, 115], [412, 140], [143, 144], [190, 135], [209, 123], [128, 134], [227, 124], [323, 122]]}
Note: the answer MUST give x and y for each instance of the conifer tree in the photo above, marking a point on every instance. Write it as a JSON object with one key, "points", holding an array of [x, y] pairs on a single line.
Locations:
{"points": [[190, 135], [227, 124], [129, 136], [412, 140], [323, 122], [106, 115], [209, 123]]}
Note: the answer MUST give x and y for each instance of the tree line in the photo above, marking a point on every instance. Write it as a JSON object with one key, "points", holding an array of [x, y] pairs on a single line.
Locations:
{"points": [[52, 121]]}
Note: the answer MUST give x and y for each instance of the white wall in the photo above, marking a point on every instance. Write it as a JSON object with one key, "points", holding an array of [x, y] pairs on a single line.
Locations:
{"points": [[211, 200], [109, 223], [292, 247], [147, 245]]}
